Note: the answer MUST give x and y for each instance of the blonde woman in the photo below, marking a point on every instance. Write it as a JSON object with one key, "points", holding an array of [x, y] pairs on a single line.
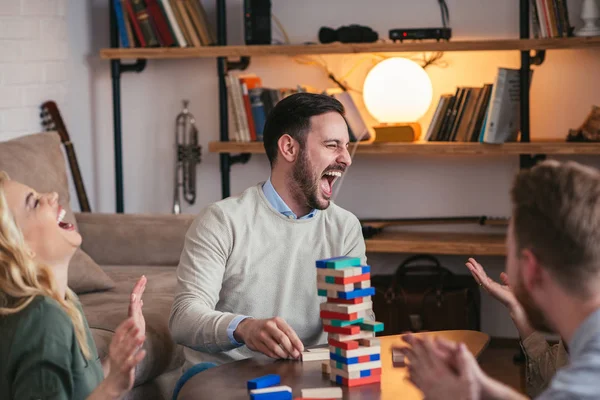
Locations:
{"points": [[46, 348]]}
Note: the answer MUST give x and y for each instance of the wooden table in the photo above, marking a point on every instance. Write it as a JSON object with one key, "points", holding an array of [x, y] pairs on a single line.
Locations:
{"points": [[228, 381]]}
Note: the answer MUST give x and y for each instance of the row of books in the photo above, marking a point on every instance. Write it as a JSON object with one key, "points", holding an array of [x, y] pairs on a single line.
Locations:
{"points": [[249, 104], [550, 18], [162, 23], [487, 114]]}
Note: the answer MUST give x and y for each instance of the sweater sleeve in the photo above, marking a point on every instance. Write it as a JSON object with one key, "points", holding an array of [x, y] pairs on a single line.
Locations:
{"points": [[541, 362], [194, 322], [355, 242]]}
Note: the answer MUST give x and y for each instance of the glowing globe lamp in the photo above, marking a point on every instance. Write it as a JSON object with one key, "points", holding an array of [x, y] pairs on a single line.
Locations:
{"points": [[397, 92]]}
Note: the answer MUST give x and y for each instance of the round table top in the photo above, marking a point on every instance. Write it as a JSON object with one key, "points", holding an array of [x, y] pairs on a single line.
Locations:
{"points": [[228, 381]]}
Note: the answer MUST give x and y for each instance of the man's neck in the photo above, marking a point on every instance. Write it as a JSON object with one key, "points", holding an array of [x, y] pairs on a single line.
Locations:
{"points": [[283, 186], [569, 313]]}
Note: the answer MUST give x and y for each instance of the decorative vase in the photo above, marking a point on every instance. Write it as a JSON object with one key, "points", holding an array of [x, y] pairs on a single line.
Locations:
{"points": [[590, 14]]}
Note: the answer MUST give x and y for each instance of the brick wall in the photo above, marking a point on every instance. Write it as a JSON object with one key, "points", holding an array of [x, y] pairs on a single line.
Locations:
{"points": [[33, 62]]}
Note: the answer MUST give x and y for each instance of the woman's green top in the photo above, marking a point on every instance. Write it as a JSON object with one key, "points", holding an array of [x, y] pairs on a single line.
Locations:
{"points": [[40, 357]]}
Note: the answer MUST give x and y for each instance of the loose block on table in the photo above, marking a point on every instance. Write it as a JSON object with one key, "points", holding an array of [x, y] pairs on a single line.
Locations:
{"points": [[323, 393], [264, 381], [314, 356], [272, 393]]}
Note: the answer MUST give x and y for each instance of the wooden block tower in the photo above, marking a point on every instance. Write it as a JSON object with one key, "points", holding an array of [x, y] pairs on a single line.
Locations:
{"points": [[355, 352]]}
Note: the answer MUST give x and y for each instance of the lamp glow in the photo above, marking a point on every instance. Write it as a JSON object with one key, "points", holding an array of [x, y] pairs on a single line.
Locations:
{"points": [[397, 90]]}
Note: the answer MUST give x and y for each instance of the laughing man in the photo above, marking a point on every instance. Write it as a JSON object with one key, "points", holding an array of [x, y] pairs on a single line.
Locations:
{"points": [[247, 276]]}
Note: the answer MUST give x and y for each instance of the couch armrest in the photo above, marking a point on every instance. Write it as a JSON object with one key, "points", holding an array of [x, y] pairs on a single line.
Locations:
{"points": [[133, 239]]}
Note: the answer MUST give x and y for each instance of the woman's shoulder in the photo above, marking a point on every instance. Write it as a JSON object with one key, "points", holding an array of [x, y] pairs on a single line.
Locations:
{"points": [[45, 315]]}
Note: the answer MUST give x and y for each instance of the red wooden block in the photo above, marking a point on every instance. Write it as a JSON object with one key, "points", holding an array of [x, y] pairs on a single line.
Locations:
{"points": [[344, 330], [361, 381], [334, 315], [352, 279], [350, 345], [364, 359], [376, 371], [358, 300]]}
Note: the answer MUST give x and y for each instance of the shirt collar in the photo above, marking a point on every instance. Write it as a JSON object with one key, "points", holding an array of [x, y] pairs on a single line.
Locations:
{"points": [[278, 204], [584, 333]]}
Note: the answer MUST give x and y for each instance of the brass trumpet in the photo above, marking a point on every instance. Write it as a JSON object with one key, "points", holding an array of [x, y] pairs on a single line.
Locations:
{"points": [[188, 156]]}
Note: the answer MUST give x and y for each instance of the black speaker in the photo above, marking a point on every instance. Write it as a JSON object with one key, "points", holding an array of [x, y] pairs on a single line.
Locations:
{"points": [[257, 21]]}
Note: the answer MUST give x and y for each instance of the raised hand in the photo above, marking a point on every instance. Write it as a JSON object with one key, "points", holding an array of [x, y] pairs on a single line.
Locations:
{"points": [[272, 337], [443, 370], [124, 354], [501, 292], [136, 303]]}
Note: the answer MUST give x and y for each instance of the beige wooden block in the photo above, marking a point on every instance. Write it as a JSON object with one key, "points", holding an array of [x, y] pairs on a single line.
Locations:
{"points": [[323, 393], [339, 273], [369, 342]]}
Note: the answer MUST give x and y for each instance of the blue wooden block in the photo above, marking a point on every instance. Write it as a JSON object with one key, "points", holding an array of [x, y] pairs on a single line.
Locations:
{"points": [[323, 263], [339, 380], [343, 360], [339, 262], [365, 373], [375, 357], [357, 293], [264, 381], [285, 395], [366, 269]]}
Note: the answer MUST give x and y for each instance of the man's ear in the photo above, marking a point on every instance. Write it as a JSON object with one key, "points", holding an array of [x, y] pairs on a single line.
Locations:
{"points": [[289, 148], [532, 273]]}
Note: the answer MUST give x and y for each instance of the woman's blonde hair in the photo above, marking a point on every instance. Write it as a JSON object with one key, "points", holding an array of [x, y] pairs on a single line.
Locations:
{"points": [[22, 278]]}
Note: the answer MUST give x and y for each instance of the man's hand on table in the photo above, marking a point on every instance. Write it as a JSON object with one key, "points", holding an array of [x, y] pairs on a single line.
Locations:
{"points": [[272, 337]]}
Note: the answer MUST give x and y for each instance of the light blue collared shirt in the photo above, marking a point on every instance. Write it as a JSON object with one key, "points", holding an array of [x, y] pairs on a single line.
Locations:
{"points": [[278, 204], [579, 379]]}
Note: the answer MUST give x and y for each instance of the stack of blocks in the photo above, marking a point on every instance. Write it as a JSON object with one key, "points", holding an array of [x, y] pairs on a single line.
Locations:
{"points": [[355, 352]]}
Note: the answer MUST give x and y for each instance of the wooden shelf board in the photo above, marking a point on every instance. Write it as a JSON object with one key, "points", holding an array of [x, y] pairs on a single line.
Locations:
{"points": [[436, 148], [487, 244], [349, 48]]}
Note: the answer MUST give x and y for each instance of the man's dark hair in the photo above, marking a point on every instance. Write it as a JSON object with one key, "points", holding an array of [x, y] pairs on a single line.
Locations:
{"points": [[292, 116]]}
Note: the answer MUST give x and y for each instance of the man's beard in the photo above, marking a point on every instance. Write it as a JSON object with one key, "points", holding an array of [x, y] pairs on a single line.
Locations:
{"points": [[307, 186], [534, 314]]}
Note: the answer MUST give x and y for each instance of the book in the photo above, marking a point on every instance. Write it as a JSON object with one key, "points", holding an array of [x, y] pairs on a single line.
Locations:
{"points": [[503, 121], [355, 121]]}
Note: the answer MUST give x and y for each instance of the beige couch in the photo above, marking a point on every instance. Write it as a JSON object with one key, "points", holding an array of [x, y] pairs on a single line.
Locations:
{"points": [[116, 250], [127, 247]]}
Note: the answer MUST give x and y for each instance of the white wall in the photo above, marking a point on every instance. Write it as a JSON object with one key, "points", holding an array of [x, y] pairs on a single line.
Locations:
{"points": [[563, 90], [33, 54]]}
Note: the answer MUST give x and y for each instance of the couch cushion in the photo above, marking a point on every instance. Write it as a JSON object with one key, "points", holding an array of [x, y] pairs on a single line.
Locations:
{"points": [[106, 310], [37, 161]]}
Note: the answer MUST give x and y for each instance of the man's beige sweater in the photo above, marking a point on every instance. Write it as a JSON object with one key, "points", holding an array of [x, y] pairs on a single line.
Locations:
{"points": [[242, 257]]}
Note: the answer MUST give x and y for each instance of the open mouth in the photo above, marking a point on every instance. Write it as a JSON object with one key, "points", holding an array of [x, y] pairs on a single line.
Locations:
{"points": [[327, 181], [60, 220]]}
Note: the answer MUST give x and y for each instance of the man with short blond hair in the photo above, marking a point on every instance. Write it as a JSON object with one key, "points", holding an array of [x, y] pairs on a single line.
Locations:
{"points": [[553, 267]]}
